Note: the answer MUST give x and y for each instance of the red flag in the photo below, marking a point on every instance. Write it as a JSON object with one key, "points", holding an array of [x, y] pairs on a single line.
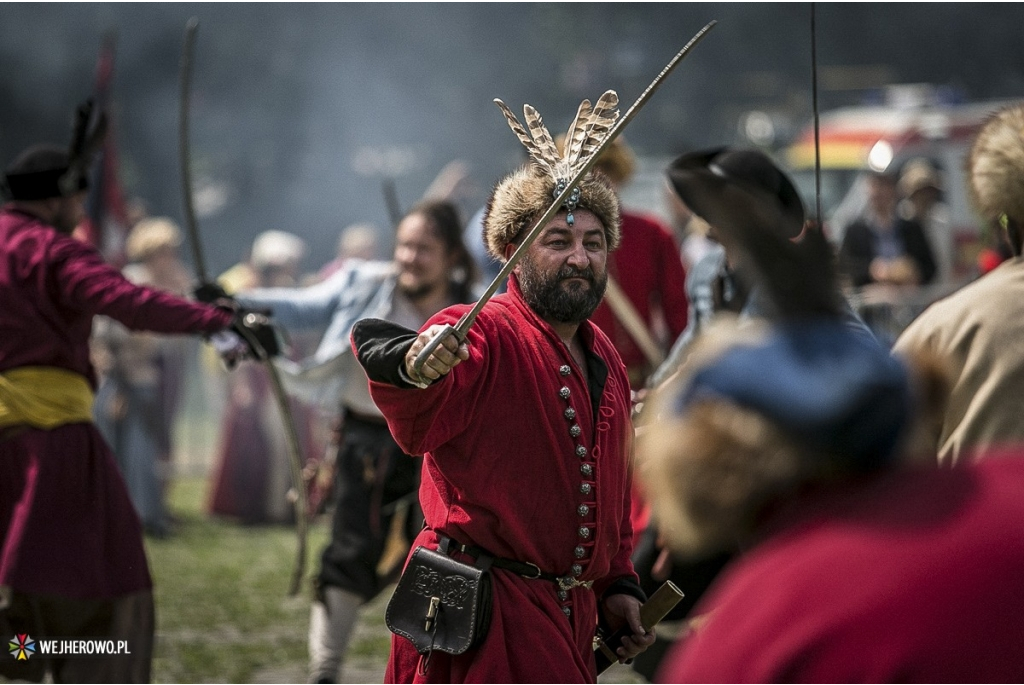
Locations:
{"points": [[107, 224]]}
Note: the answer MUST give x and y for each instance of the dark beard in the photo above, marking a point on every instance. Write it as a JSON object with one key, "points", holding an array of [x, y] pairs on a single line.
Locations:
{"points": [[554, 300], [416, 294]]}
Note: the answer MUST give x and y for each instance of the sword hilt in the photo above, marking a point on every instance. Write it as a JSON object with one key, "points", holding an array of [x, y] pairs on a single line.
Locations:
{"points": [[428, 349], [652, 612]]}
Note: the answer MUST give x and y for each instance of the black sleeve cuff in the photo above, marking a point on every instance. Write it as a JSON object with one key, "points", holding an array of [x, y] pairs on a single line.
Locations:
{"points": [[626, 586], [380, 347], [622, 586]]}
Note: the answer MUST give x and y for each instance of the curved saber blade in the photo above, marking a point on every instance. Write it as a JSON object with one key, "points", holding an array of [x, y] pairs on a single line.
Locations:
{"points": [[280, 397], [184, 156], [462, 327]]}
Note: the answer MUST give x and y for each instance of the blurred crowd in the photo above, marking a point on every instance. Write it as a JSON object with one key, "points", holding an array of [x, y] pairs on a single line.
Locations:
{"points": [[792, 397], [895, 260], [672, 280]]}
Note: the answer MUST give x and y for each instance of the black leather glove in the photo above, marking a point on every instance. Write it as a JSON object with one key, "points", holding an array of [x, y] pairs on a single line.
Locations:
{"points": [[210, 293], [258, 333]]}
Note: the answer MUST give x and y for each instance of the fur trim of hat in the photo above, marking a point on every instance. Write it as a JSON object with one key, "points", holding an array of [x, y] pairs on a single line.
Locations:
{"points": [[712, 472], [522, 196], [995, 166]]}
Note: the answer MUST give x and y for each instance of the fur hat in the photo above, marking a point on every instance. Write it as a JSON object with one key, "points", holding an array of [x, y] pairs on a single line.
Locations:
{"points": [[148, 236], [995, 166], [761, 411], [522, 196]]}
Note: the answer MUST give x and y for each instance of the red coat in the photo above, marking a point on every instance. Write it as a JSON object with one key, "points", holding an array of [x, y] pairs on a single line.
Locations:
{"points": [[913, 577], [649, 269], [67, 527], [502, 471]]}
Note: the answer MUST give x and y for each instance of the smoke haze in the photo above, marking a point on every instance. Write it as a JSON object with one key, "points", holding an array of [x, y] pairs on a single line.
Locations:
{"points": [[301, 111]]}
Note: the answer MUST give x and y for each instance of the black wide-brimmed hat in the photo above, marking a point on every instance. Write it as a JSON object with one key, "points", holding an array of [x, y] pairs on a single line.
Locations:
{"points": [[738, 189]]}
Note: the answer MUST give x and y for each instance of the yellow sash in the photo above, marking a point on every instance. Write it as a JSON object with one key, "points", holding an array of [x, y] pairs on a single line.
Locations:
{"points": [[44, 397]]}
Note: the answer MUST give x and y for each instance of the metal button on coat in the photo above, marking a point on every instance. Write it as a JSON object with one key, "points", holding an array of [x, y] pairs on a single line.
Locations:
{"points": [[577, 569], [575, 431], [579, 552], [564, 393], [581, 451], [583, 510], [587, 469], [564, 370], [585, 488], [567, 611], [584, 532], [570, 413]]}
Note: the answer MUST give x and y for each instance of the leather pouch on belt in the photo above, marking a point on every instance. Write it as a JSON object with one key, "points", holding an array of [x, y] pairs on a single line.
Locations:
{"points": [[440, 603]]}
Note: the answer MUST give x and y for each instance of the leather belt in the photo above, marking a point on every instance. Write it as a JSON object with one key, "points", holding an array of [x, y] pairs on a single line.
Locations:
{"points": [[525, 569]]}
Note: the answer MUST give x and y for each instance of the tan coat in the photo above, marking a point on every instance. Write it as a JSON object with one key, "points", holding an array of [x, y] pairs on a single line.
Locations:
{"points": [[980, 331]]}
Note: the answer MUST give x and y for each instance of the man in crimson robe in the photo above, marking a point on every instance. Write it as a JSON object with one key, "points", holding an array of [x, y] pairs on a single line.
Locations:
{"points": [[526, 440], [72, 564]]}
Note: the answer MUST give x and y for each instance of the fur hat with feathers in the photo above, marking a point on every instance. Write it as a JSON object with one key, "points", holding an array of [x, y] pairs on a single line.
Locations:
{"points": [[522, 196], [995, 165]]}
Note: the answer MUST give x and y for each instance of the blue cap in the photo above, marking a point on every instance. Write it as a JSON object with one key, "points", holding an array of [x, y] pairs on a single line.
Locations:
{"points": [[829, 388]]}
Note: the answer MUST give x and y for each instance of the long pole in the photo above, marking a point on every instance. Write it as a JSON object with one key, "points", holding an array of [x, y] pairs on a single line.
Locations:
{"points": [[298, 492], [817, 128]]}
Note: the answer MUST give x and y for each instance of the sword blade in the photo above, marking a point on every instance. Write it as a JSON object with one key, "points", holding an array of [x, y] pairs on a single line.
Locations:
{"points": [[185, 81], [466, 322]]}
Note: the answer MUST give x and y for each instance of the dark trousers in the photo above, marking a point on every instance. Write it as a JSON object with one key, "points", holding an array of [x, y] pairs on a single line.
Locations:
{"points": [[373, 478]]}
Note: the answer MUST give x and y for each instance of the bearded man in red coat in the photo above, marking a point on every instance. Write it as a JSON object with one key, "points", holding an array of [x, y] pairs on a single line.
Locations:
{"points": [[526, 440], [72, 563]]}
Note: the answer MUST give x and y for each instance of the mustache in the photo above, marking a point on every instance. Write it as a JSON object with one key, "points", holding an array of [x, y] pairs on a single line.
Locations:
{"points": [[572, 272]]}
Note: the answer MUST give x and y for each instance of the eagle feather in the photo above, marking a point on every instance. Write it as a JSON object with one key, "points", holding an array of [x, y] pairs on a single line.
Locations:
{"points": [[524, 137], [586, 133]]}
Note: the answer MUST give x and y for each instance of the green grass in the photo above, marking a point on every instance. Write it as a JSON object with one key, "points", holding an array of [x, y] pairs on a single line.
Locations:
{"points": [[223, 612], [222, 607]]}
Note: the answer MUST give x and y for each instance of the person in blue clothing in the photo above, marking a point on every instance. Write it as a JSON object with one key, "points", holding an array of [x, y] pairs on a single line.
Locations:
{"points": [[737, 192], [431, 270]]}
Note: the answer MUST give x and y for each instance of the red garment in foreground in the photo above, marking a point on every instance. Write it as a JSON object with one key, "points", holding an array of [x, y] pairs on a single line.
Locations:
{"points": [[649, 269], [502, 471], [913, 577], [67, 527]]}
